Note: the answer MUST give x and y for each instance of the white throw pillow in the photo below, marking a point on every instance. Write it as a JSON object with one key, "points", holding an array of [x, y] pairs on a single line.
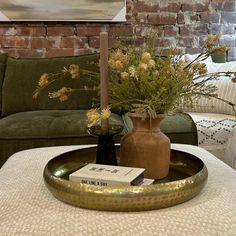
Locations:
{"points": [[226, 91], [191, 57]]}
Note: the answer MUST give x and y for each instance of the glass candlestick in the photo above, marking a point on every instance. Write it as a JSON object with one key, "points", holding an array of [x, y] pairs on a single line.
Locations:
{"points": [[106, 151]]}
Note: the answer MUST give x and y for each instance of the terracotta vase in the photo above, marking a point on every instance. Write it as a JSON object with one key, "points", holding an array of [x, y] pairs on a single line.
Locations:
{"points": [[146, 147]]}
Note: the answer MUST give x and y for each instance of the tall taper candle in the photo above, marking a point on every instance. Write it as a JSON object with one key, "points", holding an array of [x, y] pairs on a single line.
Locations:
{"points": [[104, 76]]}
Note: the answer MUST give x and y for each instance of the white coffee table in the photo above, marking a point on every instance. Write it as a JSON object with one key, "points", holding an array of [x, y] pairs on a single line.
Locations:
{"points": [[27, 208]]}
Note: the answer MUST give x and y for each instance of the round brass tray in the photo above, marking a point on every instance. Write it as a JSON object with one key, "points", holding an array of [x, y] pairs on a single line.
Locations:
{"points": [[186, 178]]}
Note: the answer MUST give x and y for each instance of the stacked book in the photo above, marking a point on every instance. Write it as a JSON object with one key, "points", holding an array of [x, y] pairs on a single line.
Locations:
{"points": [[106, 175]]}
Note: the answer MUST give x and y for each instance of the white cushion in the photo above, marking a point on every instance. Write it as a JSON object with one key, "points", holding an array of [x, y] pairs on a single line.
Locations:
{"points": [[215, 134], [191, 57], [226, 90]]}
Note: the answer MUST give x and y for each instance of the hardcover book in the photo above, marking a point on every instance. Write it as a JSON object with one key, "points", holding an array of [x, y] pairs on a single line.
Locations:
{"points": [[107, 175]]}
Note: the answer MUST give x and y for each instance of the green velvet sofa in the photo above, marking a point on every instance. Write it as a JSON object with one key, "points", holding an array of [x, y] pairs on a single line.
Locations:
{"points": [[29, 123]]}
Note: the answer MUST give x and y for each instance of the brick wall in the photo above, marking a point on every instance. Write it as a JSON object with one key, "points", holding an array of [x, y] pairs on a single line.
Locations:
{"points": [[182, 23]]}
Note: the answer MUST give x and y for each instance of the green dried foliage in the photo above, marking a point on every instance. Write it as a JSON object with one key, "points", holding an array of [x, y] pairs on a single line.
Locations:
{"points": [[147, 84]]}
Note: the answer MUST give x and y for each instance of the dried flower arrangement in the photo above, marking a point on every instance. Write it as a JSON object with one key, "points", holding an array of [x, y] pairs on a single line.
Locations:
{"points": [[144, 83]]}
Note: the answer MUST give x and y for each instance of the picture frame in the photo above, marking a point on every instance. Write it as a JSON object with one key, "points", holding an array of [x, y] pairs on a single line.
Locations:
{"points": [[61, 10]]}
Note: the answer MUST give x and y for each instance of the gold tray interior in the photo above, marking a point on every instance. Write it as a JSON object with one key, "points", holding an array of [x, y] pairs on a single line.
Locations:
{"points": [[187, 177]]}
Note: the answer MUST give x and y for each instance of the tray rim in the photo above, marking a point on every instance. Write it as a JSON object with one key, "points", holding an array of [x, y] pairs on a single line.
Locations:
{"points": [[53, 183]]}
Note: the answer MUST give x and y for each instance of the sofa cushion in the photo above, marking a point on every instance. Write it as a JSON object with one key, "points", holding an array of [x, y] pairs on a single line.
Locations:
{"points": [[3, 58], [180, 128], [22, 76], [226, 90], [25, 130], [48, 124]]}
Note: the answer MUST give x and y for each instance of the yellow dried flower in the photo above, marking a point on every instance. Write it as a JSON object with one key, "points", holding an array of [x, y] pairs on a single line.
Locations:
{"points": [[143, 66], [36, 94], [43, 80], [93, 116], [111, 63], [132, 71], [124, 75], [118, 65], [61, 93], [118, 55], [151, 63], [146, 56], [212, 39], [63, 98], [106, 113], [74, 71]]}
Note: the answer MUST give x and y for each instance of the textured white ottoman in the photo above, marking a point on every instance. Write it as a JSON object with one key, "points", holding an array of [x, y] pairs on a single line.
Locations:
{"points": [[27, 208], [230, 150]]}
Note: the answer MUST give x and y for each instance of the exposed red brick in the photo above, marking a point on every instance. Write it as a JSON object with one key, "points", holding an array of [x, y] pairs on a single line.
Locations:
{"points": [[176, 22], [55, 52], [21, 42], [164, 42], [215, 28], [23, 30], [199, 30], [162, 19], [137, 42], [187, 7], [12, 52], [180, 18], [94, 42], [141, 6], [143, 17], [197, 7], [214, 17], [89, 30], [8, 30], [204, 17], [193, 50], [119, 30], [195, 18], [67, 42], [186, 42], [227, 29], [60, 31], [228, 5], [171, 7], [37, 31], [31, 31], [202, 40], [80, 42], [8, 42], [30, 53], [228, 17], [185, 30], [170, 31], [40, 43], [54, 41]]}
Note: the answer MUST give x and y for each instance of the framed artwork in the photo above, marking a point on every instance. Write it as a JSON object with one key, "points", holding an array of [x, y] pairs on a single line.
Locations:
{"points": [[63, 10]]}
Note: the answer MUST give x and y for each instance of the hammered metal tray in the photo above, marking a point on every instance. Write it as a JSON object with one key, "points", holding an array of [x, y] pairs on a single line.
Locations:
{"points": [[186, 178]]}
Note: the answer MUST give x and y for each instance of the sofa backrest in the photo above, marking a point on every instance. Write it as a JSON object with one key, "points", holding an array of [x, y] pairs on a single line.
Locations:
{"points": [[22, 76], [3, 58]]}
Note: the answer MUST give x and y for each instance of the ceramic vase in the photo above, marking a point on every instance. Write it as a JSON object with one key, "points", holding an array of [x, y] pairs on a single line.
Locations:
{"points": [[145, 146]]}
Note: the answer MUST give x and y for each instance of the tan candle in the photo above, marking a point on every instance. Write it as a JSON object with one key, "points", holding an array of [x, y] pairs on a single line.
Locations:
{"points": [[104, 76]]}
